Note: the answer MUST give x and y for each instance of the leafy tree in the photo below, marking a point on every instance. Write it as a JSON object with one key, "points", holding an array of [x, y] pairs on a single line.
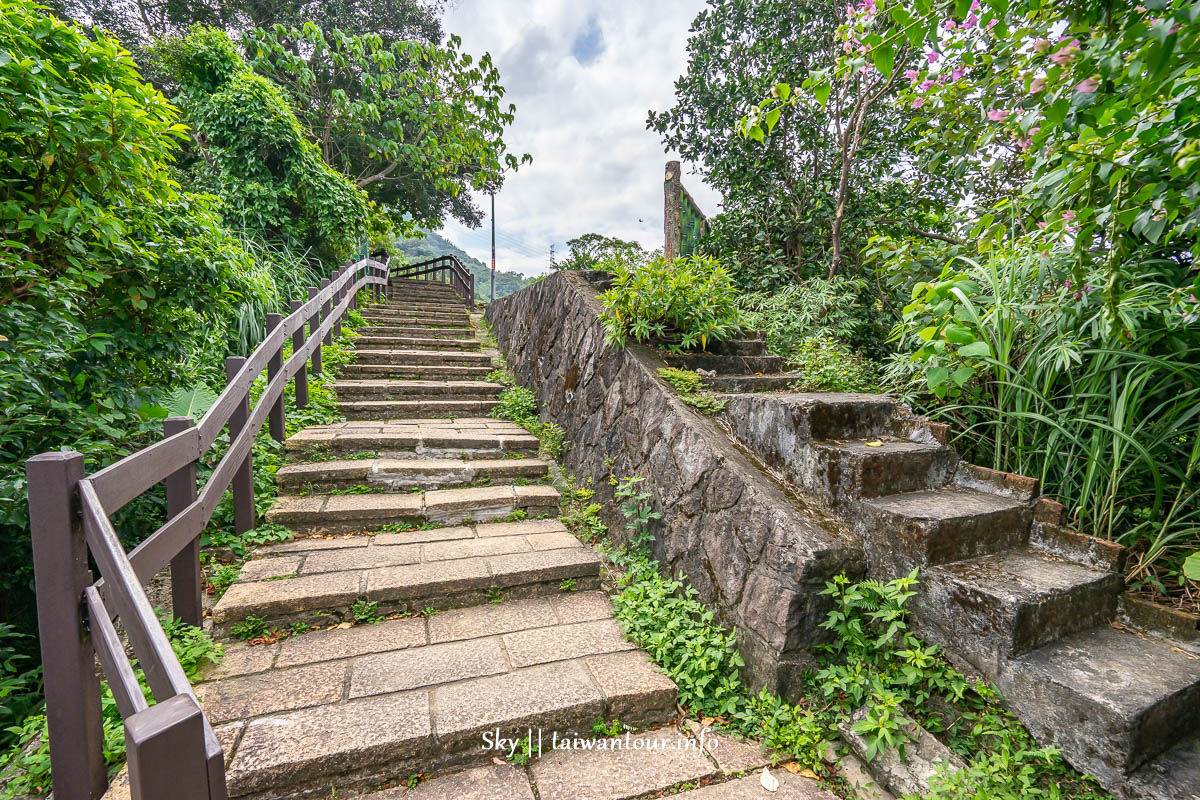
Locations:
{"points": [[251, 151], [415, 125], [596, 251], [138, 23], [114, 283], [832, 171]]}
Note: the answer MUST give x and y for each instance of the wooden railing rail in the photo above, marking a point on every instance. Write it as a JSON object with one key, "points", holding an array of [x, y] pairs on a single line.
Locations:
{"points": [[443, 269], [170, 745]]}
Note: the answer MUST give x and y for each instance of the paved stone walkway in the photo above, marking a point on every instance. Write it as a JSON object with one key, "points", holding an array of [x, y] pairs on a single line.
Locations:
{"points": [[440, 522]]}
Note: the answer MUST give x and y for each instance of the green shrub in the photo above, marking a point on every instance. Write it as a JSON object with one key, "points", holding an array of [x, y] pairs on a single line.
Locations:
{"points": [[825, 365], [687, 301], [837, 308], [690, 387], [516, 404]]}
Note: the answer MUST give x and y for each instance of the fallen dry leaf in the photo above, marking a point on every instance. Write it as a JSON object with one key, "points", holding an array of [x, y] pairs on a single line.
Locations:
{"points": [[875, 443]]}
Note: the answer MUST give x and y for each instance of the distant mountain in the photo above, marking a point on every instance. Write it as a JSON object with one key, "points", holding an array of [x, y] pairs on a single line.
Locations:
{"points": [[434, 245]]}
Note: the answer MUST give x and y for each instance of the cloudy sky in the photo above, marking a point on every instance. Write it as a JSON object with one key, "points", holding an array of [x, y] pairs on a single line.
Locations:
{"points": [[582, 74]]}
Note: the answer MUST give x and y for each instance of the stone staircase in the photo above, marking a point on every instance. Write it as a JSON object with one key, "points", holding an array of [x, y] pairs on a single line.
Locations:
{"points": [[1006, 589], [486, 611]]}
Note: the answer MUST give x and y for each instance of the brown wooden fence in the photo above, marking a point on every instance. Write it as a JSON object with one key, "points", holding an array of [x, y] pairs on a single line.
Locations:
{"points": [[172, 751], [442, 269]]}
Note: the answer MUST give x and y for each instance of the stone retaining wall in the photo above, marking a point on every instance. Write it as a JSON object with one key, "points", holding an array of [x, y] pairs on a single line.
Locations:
{"points": [[757, 555]]}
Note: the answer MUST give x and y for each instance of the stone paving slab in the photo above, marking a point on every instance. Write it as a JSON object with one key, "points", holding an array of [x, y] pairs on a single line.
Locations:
{"points": [[401, 409], [541, 645], [301, 746], [489, 620], [272, 691], [400, 474], [732, 755], [639, 765], [360, 558], [394, 634], [634, 689], [791, 787], [425, 580], [263, 568], [493, 782], [582, 606], [294, 595], [426, 666], [560, 696]]}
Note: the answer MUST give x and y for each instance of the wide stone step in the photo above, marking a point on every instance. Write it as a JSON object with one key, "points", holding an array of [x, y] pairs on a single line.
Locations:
{"points": [[469, 437], [335, 711], [739, 384], [416, 371], [422, 357], [844, 471], [362, 410], [1011, 603], [374, 342], [337, 513], [940, 526], [404, 474], [432, 304], [424, 332], [415, 389], [1110, 699], [316, 580], [417, 319], [726, 364], [821, 415]]}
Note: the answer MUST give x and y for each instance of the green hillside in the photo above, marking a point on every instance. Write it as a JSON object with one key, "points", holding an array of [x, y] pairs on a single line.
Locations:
{"points": [[434, 245]]}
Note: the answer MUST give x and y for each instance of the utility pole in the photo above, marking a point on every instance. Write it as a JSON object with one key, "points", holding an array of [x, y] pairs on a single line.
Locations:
{"points": [[553, 264], [493, 247]]}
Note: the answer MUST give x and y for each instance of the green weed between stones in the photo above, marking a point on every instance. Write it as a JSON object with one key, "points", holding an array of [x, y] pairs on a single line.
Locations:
{"points": [[690, 387], [358, 488], [873, 659], [365, 612], [518, 404]]}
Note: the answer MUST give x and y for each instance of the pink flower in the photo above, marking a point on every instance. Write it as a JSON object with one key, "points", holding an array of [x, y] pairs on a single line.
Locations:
{"points": [[1068, 215], [957, 73], [974, 5], [991, 23], [918, 102], [847, 47], [971, 21], [1037, 85], [1042, 225], [1088, 85], [1041, 46], [933, 56], [950, 24], [1024, 143], [1066, 53], [912, 75], [1067, 284], [998, 115], [926, 86]]}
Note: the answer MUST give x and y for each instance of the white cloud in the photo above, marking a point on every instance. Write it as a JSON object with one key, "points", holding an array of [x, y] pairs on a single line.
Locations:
{"points": [[595, 166]]}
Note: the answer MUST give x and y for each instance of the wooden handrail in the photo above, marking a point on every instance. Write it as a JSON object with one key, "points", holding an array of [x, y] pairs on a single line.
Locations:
{"points": [[70, 517], [461, 278]]}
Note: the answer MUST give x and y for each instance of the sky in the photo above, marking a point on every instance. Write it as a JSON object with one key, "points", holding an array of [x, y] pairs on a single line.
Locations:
{"points": [[583, 75]]}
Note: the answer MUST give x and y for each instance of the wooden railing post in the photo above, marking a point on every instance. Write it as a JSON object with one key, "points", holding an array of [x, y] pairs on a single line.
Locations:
{"points": [[164, 745], [274, 365], [60, 568], [313, 323], [302, 375], [336, 330], [186, 602], [243, 478], [325, 311]]}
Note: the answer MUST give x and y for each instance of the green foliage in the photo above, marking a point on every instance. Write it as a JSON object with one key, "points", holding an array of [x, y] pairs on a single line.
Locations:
{"points": [[252, 151], [602, 728], [20, 685], [594, 251], [838, 308], [250, 628], [519, 405], [365, 612], [1017, 354], [781, 195], [826, 365], [690, 387], [417, 124], [686, 301], [568, 585]]}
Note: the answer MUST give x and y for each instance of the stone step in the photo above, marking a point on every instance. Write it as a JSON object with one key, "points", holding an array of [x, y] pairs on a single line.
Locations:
{"points": [[363, 410], [434, 372], [460, 438], [845, 471], [404, 474], [418, 357], [1110, 699], [441, 334], [431, 304], [726, 364], [416, 318], [335, 711], [824, 415], [339, 513], [1011, 603], [415, 389], [375, 342], [741, 384], [940, 526], [316, 580]]}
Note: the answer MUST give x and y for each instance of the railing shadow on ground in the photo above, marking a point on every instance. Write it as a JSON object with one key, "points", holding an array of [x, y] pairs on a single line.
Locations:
{"points": [[171, 747]]}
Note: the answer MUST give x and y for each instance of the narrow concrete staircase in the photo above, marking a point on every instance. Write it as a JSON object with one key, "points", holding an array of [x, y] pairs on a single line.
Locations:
{"points": [[1006, 589], [435, 529]]}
